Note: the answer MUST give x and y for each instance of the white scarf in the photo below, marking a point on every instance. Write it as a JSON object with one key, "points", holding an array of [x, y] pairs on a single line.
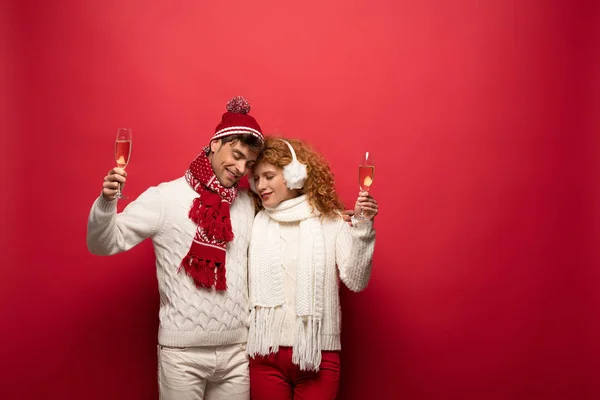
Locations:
{"points": [[266, 281]]}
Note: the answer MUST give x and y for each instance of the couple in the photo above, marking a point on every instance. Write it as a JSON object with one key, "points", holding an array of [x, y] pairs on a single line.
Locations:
{"points": [[222, 267]]}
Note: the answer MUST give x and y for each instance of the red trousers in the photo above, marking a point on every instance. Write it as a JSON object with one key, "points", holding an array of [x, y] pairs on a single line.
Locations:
{"points": [[275, 377]]}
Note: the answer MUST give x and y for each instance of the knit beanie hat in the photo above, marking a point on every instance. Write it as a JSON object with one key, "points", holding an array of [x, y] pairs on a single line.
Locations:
{"points": [[237, 121]]}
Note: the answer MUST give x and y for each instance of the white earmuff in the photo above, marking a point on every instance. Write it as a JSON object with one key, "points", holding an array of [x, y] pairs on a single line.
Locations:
{"points": [[295, 172]]}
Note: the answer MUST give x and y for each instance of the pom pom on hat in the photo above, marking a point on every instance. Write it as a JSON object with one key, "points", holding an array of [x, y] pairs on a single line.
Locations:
{"points": [[238, 105]]}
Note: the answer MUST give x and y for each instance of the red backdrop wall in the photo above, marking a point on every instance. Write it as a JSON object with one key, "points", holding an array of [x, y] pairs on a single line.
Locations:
{"points": [[483, 117]]}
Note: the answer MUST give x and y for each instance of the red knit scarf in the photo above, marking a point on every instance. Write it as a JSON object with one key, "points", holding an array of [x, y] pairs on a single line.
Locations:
{"points": [[205, 261]]}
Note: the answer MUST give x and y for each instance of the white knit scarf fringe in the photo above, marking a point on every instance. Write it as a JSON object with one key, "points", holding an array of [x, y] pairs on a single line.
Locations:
{"points": [[266, 281]]}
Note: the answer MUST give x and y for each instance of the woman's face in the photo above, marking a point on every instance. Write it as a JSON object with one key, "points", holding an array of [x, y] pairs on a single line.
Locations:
{"points": [[270, 185]]}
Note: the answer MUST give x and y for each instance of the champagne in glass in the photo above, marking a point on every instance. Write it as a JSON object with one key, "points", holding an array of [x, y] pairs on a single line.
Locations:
{"points": [[122, 152], [366, 174], [365, 177]]}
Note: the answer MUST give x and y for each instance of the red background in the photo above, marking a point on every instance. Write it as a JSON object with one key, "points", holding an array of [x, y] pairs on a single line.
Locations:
{"points": [[483, 117]]}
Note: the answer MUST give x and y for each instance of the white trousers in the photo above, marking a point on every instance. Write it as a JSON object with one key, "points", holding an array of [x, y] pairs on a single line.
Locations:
{"points": [[204, 373]]}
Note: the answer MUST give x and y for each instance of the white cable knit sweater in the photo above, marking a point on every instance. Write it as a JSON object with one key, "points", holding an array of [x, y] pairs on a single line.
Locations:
{"points": [[348, 256], [188, 316]]}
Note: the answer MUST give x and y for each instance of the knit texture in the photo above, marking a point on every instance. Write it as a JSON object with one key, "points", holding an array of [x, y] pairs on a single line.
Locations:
{"points": [[350, 248], [210, 211], [188, 316], [267, 276]]}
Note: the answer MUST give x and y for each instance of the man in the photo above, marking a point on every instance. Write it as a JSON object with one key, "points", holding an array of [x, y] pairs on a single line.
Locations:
{"points": [[200, 226]]}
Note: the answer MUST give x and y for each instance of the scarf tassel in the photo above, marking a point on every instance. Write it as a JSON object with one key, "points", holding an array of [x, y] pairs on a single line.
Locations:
{"points": [[216, 227], [205, 273], [221, 283], [195, 211], [211, 220], [307, 347], [266, 324]]}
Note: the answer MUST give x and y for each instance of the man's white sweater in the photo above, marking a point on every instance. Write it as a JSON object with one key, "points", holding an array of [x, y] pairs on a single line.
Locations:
{"points": [[188, 316]]}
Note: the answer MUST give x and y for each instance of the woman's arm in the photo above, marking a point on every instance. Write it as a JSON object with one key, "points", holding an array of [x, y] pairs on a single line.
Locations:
{"points": [[354, 253]]}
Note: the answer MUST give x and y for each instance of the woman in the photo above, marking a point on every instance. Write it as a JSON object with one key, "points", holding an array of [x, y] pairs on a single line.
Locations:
{"points": [[300, 246]]}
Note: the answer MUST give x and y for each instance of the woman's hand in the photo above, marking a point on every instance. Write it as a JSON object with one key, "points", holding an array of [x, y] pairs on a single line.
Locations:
{"points": [[365, 208]]}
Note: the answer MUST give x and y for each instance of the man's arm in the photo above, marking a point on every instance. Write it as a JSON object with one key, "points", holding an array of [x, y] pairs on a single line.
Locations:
{"points": [[111, 233]]}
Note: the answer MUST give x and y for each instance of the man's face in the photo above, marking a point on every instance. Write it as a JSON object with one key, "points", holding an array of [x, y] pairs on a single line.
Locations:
{"points": [[231, 161]]}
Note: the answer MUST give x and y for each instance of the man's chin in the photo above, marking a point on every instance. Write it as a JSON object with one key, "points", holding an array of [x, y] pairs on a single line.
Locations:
{"points": [[229, 182], [225, 181]]}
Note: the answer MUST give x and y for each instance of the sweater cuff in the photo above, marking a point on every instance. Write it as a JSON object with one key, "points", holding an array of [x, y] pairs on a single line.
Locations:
{"points": [[362, 225], [106, 206]]}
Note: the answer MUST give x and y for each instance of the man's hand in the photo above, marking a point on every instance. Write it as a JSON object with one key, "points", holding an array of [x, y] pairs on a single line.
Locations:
{"points": [[116, 177]]}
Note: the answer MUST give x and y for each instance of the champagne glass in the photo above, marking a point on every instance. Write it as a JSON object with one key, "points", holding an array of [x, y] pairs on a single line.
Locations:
{"points": [[122, 152], [366, 174]]}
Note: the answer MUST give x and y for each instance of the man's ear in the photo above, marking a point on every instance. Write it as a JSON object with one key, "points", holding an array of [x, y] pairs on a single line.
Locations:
{"points": [[215, 145]]}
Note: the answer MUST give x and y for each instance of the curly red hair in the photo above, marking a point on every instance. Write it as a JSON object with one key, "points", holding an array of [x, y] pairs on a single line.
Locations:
{"points": [[320, 183]]}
